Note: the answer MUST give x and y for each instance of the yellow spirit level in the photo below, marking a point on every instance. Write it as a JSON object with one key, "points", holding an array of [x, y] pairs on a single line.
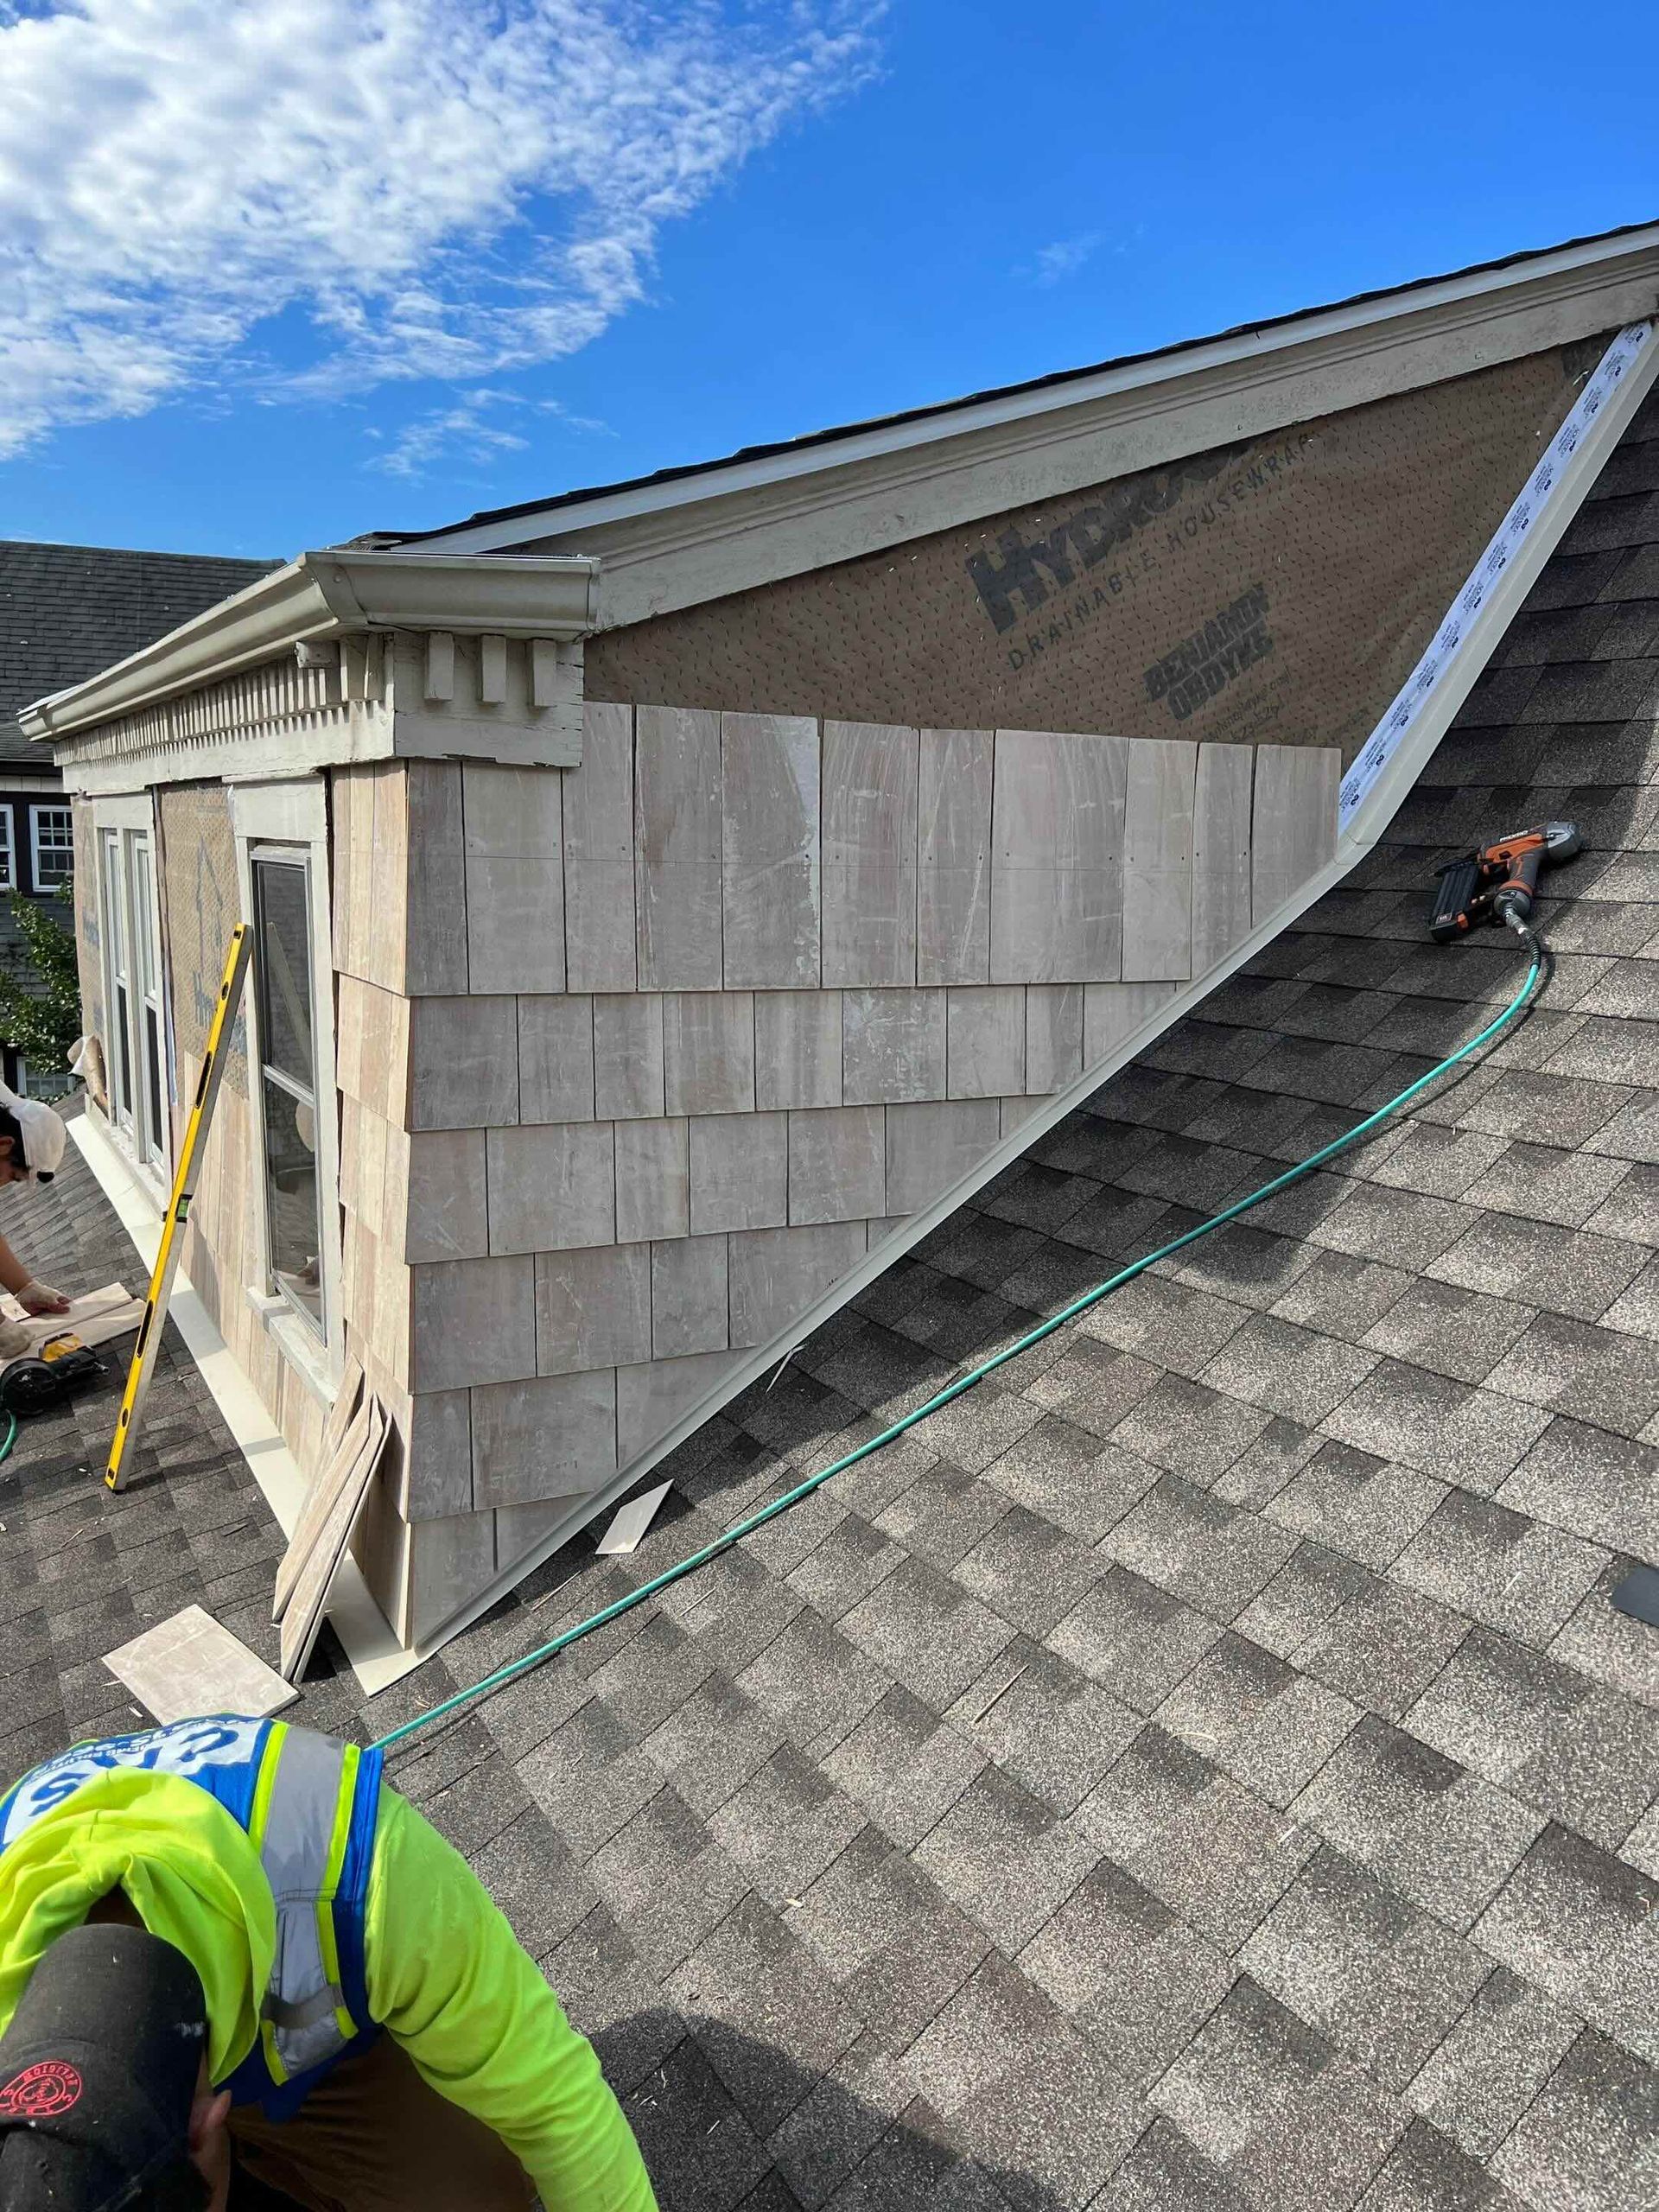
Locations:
{"points": [[184, 1185]]}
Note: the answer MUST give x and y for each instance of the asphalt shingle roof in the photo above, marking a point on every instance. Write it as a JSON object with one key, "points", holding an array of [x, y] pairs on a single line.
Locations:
{"points": [[1201, 1768], [68, 611]]}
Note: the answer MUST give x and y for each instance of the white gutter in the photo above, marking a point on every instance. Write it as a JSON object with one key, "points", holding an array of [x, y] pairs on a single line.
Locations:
{"points": [[1440, 307], [330, 594]]}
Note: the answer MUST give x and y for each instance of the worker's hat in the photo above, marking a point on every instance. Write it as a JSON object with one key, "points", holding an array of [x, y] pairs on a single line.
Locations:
{"points": [[97, 2073], [43, 1133]]}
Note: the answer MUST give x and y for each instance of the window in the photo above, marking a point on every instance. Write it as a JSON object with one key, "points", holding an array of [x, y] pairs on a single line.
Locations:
{"points": [[8, 856], [282, 862], [117, 980], [135, 1048], [281, 878], [51, 829]]}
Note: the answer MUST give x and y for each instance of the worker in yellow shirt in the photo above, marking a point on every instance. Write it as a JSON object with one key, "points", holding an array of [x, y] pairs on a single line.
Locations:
{"points": [[227, 1940]]}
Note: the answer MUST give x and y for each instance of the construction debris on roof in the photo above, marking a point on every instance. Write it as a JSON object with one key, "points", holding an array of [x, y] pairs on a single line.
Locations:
{"points": [[1202, 1768]]}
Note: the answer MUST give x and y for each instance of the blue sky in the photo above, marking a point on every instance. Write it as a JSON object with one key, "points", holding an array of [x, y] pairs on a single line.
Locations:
{"points": [[283, 271]]}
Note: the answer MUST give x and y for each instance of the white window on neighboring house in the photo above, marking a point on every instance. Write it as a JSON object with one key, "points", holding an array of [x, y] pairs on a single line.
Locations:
{"points": [[8, 853], [52, 835]]}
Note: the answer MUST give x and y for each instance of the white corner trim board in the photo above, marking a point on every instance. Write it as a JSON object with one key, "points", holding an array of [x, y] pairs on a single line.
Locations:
{"points": [[1455, 639], [1575, 458], [376, 1658]]}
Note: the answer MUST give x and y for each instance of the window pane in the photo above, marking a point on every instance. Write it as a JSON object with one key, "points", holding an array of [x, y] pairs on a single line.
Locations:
{"points": [[157, 1134], [123, 1054], [113, 924], [291, 1199], [282, 915], [143, 922], [8, 871]]}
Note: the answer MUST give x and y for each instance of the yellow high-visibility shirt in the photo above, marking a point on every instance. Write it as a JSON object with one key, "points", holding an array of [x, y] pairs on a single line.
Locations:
{"points": [[446, 1978]]}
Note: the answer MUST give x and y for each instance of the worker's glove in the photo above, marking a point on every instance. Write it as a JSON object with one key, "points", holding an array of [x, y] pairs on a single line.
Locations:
{"points": [[15, 1340], [41, 1297]]}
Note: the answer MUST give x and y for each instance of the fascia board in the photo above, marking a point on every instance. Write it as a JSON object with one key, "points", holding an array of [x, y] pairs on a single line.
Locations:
{"points": [[731, 527], [327, 595]]}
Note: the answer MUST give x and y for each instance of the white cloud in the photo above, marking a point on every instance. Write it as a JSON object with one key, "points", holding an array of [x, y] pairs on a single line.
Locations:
{"points": [[1065, 256], [466, 430], [424, 188]]}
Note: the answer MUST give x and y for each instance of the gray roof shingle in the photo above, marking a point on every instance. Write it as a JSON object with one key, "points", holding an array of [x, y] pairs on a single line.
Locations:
{"points": [[67, 612], [1201, 1769]]}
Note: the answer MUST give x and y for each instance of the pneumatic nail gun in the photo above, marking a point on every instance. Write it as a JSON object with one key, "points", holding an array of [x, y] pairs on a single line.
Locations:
{"points": [[1499, 882]]}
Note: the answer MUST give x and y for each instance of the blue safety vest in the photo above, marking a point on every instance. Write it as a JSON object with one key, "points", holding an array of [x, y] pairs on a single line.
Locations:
{"points": [[309, 1805]]}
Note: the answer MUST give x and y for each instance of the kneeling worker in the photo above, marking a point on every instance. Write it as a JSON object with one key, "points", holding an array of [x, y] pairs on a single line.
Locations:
{"points": [[32, 1139], [227, 1939]]}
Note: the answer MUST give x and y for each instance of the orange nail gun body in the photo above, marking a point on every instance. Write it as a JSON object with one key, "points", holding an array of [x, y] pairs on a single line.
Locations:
{"points": [[1499, 881]]}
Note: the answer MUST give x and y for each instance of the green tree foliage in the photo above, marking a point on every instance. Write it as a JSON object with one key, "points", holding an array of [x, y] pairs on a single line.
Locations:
{"points": [[40, 993]]}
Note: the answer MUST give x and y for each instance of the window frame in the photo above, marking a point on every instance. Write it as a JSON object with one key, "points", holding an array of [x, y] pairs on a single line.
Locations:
{"points": [[122, 826], [37, 809], [289, 821], [8, 846], [263, 1071]]}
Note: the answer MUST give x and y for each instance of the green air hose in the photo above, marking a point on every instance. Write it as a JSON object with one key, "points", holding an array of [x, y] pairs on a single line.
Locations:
{"points": [[10, 1437], [1519, 1005]]}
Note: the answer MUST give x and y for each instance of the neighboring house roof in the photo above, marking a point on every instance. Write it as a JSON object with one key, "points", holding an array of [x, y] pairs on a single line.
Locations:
{"points": [[1200, 1768], [68, 611]]}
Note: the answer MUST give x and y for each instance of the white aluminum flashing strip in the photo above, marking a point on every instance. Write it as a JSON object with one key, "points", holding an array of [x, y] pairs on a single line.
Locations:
{"points": [[332, 594], [376, 1658], [1388, 783], [1451, 641]]}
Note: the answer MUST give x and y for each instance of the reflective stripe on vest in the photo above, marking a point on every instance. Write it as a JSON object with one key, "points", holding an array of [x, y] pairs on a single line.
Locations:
{"points": [[301, 1827]]}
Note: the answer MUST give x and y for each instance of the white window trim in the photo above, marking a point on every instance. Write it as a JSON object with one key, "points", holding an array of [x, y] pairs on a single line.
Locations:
{"points": [[9, 850], [297, 814], [135, 812], [57, 806]]}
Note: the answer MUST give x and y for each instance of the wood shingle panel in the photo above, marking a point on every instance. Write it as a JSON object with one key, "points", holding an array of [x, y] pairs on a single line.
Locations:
{"points": [[1293, 820], [677, 849], [599, 857], [1158, 829], [515, 878], [869, 783], [1056, 857], [593, 1309], [552, 1186], [953, 883], [798, 1048], [1221, 852], [769, 897]]}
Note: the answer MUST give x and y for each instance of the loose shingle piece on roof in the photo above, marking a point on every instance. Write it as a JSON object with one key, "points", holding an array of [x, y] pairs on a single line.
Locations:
{"points": [[1203, 1767], [68, 611]]}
